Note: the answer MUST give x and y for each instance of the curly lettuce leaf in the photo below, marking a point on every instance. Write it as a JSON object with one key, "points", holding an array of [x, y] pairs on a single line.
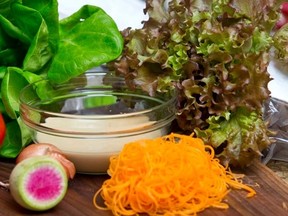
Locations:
{"points": [[281, 43], [234, 135], [215, 53]]}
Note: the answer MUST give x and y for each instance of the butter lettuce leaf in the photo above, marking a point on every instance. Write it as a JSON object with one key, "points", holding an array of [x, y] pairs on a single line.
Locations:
{"points": [[35, 44], [89, 38]]}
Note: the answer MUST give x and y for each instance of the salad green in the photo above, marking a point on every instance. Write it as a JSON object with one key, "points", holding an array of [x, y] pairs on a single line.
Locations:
{"points": [[215, 53], [35, 44], [281, 43]]}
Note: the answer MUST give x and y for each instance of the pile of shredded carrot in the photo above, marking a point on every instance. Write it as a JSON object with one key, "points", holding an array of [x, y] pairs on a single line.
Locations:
{"points": [[171, 175]]}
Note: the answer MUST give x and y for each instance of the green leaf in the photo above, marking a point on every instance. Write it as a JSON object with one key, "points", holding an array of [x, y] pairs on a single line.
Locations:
{"points": [[14, 31], [92, 36], [241, 135], [101, 100], [39, 52], [49, 11], [11, 57], [26, 135], [29, 41], [3, 70], [12, 143], [26, 19], [12, 84], [2, 108], [31, 22], [17, 137], [5, 7], [4, 39]]}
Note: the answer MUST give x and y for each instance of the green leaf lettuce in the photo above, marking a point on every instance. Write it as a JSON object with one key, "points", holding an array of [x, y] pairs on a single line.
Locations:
{"points": [[35, 44]]}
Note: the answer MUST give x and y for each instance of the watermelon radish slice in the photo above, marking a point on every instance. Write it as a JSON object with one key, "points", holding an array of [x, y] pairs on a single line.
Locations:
{"points": [[38, 183]]}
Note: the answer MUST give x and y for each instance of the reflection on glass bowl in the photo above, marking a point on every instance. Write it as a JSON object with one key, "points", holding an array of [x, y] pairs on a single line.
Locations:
{"points": [[92, 116]]}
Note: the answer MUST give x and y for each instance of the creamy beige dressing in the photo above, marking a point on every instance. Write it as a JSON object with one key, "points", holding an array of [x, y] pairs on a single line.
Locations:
{"points": [[98, 125], [91, 154]]}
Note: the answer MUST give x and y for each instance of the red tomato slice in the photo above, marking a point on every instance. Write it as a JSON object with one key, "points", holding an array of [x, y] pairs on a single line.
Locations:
{"points": [[2, 129]]}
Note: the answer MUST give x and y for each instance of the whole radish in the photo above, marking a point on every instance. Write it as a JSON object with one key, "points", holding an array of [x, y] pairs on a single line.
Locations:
{"points": [[39, 180], [38, 183]]}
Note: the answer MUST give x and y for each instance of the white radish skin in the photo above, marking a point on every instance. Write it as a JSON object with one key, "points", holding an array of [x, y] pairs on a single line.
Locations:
{"points": [[38, 183]]}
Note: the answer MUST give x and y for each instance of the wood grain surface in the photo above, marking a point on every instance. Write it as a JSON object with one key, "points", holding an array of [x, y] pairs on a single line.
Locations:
{"points": [[271, 198]]}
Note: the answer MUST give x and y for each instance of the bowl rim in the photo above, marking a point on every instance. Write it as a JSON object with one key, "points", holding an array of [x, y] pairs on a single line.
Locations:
{"points": [[24, 103], [26, 106]]}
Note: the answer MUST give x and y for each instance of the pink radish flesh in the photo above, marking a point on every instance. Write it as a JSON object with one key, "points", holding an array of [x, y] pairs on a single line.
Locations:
{"points": [[48, 184]]}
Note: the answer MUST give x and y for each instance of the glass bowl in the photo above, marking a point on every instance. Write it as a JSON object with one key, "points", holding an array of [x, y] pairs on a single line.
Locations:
{"points": [[92, 117]]}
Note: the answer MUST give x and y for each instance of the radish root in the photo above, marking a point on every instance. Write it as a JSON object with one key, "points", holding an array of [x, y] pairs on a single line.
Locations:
{"points": [[4, 185]]}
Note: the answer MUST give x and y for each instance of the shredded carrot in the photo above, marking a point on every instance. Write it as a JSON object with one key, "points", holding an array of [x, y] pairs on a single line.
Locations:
{"points": [[171, 175]]}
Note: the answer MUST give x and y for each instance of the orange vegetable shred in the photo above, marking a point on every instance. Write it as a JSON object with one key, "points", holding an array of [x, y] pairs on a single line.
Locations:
{"points": [[171, 175]]}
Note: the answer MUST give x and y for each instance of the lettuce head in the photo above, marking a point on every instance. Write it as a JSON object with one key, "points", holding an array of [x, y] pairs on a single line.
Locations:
{"points": [[215, 53]]}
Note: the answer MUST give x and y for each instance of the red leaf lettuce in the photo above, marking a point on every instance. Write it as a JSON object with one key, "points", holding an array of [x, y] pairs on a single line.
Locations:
{"points": [[215, 53]]}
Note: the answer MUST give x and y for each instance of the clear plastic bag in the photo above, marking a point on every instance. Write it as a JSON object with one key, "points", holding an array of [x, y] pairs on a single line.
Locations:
{"points": [[276, 114]]}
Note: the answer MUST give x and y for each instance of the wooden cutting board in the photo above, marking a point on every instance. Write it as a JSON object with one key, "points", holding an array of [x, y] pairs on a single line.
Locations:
{"points": [[271, 198]]}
